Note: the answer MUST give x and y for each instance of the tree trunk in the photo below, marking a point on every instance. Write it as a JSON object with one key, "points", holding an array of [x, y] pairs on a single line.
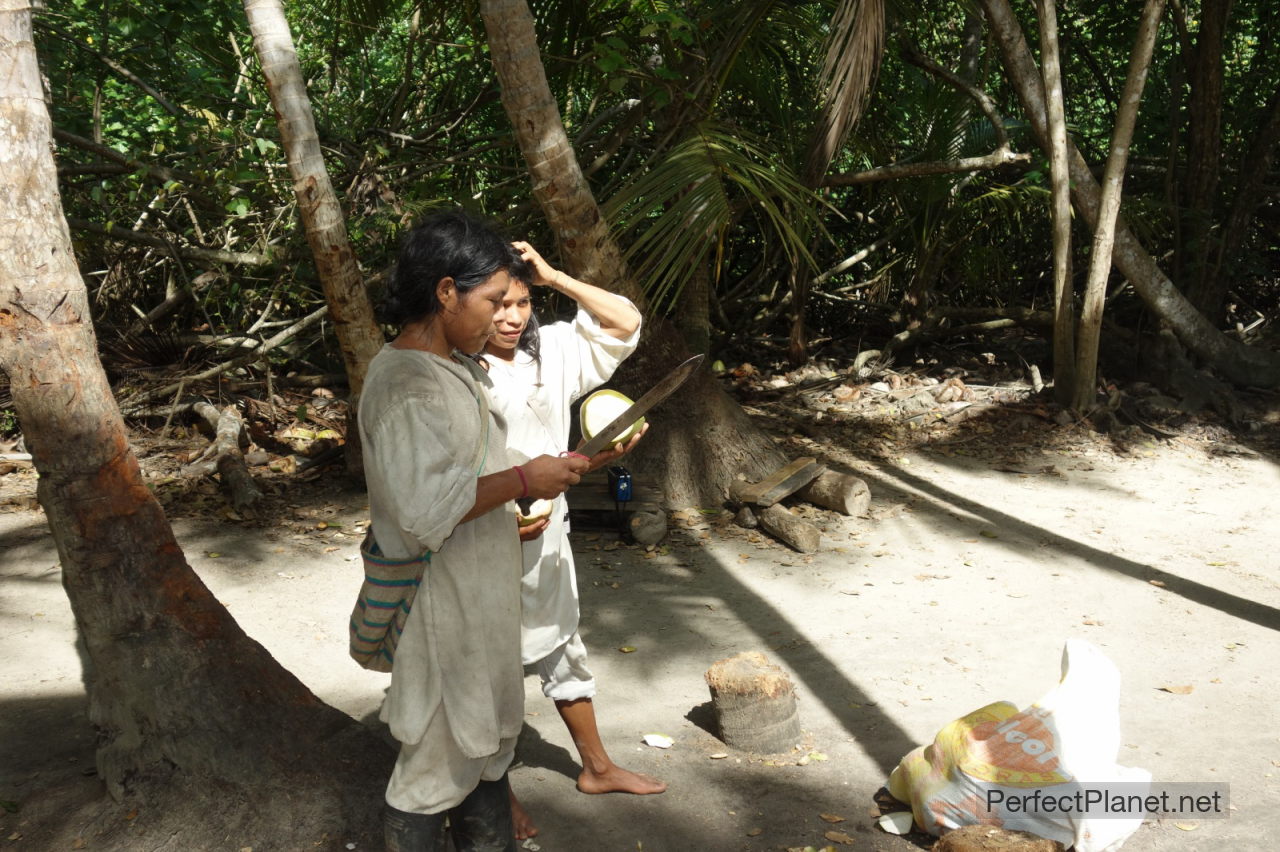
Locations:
{"points": [[693, 310], [1238, 363], [359, 337], [1204, 155], [711, 440], [1063, 291], [559, 186], [1084, 394], [177, 690]]}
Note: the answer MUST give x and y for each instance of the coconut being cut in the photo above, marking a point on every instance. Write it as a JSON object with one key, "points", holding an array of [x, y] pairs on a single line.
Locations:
{"points": [[602, 408], [539, 510]]}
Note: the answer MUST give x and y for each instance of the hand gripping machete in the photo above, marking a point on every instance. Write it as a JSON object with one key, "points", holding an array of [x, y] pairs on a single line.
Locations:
{"points": [[619, 424]]}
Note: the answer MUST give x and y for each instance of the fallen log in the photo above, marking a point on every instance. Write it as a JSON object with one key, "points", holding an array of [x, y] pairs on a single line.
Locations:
{"points": [[795, 532], [755, 704], [840, 492], [223, 456]]}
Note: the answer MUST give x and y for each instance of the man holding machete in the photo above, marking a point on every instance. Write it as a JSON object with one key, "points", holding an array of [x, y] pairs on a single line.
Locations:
{"points": [[537, 373]]}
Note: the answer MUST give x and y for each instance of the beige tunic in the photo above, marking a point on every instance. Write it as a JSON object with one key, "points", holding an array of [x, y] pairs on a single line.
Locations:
{"points": [[458, 663]]}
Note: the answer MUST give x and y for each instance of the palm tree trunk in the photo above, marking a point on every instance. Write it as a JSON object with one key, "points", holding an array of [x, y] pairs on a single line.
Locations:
{"points": [[359, 337], [175, 683], [1238, 363], [712, 440], [561, 190], [693, 309], [1084, 394], [1063, 292]]}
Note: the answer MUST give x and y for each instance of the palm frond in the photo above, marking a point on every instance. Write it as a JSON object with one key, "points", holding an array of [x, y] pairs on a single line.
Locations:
{"points": [[680, 210], [854, 49]]}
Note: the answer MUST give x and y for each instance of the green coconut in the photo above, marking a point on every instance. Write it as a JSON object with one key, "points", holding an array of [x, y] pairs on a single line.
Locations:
{"points": [[602, 408], [538, 510]]}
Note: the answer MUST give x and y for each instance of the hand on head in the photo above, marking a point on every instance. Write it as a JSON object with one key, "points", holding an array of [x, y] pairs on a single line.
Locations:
{"points": [[544, 274]]}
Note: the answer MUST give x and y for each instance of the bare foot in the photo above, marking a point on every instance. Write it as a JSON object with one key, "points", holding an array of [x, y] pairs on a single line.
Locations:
{"points": [[521, 819], [615, 779]]}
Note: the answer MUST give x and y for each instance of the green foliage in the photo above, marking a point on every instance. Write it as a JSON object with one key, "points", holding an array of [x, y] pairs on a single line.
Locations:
{"points": [[683, 208], [690, 119]]}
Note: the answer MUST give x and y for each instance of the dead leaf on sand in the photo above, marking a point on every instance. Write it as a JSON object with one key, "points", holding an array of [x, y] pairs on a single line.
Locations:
{"points": [[839, 837], [1177, 690], [831, 817]]}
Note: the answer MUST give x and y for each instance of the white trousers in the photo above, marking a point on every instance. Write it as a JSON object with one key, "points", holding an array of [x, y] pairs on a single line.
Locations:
{"points": [[433, 775], [564, 672]]}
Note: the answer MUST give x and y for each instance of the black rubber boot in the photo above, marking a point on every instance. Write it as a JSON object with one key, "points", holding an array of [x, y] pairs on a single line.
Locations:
{"points": [[406, 832], [482, 822]]}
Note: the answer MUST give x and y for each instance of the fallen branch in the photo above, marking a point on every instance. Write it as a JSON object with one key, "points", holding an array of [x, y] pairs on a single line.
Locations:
{"points": [[239, 258], [997, 158], [138, 401], [171, 304], [223, 455], [163, 174]]}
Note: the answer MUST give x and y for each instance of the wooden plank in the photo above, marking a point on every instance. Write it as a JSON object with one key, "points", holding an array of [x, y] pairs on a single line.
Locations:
{"points": [[583, 497], [592, 494], [780, 484]]}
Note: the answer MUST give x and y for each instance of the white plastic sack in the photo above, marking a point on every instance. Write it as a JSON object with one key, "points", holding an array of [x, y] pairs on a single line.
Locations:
{"points": [[1069, 737]]}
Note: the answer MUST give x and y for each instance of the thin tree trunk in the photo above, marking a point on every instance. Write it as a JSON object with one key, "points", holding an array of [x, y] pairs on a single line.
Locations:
{"points": [[1240, 364], [1204, 159], [175, 683], [1251, 190], [359, 337], [1084, 393], [1063, 292], [711, 440]]}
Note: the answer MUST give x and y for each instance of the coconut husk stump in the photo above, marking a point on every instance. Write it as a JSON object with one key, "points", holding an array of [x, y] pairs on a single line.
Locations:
{"points": [[755, 704]]}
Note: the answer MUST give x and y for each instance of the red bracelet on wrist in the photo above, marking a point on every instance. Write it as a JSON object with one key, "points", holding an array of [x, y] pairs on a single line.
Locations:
{"points": [[524, 483]]}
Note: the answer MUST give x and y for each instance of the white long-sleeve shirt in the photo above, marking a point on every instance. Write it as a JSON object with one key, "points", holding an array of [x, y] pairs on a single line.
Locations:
{"points": [[577, 357]]}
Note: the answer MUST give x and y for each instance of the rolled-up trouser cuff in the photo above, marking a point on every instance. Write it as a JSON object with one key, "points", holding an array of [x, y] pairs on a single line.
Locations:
{"points": [[564, 672]]}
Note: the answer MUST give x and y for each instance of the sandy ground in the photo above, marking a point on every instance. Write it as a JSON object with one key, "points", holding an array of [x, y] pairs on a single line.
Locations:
{"points": [[958, 590]]}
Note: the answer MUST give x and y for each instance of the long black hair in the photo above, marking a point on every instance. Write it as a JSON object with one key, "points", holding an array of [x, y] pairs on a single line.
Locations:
{"points": [[529, 341], [451, 244]]}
